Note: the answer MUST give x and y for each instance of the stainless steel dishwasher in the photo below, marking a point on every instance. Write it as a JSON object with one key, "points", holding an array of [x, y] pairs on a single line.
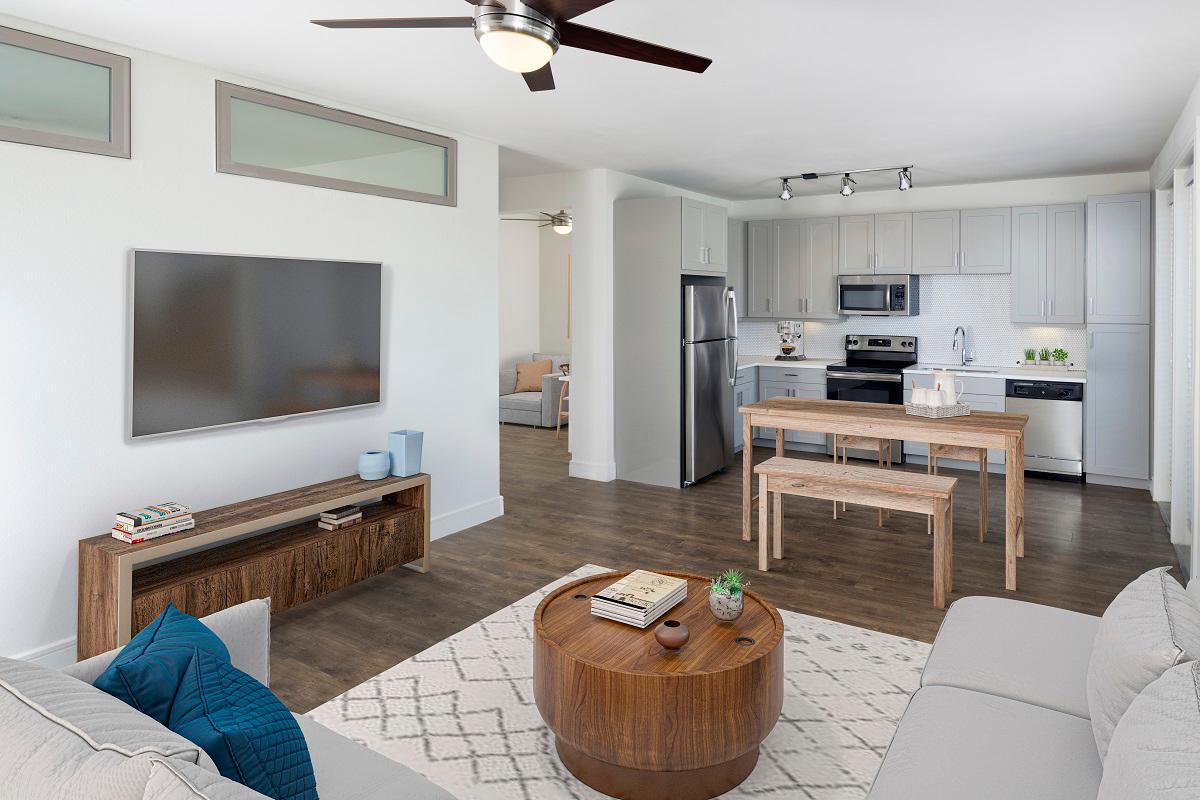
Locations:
{"points": [[1054, 435]]}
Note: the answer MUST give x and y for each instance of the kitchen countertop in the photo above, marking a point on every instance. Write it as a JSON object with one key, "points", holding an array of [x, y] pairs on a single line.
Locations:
{"points": [[1015, 372], [746, 361]]}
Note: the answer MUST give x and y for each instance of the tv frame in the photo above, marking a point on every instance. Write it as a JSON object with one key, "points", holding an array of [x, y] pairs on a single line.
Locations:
{"points": [[129, 323]]}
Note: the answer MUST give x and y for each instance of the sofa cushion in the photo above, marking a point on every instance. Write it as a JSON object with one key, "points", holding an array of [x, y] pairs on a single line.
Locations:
{"points": [[148, 670], [522, 401], [1151, 626], [508, 381], [954, 744], [176, 780], [1023, 651], [529, 374], [347, 770], [1155, 750], [61, 738]]}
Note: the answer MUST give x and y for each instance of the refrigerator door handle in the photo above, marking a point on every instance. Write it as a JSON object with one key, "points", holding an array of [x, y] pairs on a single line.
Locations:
{"points": [[731, 315]]}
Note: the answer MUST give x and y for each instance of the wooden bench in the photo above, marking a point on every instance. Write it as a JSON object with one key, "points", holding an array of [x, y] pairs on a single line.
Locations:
{"points": [[890, 489]]}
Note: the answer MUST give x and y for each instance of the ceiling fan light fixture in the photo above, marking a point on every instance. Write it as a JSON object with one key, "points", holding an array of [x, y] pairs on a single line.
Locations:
{"points": [[847, 185], [562, 223], [517, 38], [785, 193]]}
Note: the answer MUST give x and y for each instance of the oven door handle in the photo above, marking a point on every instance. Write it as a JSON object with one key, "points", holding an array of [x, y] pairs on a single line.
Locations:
{"points": [[861, 377]]}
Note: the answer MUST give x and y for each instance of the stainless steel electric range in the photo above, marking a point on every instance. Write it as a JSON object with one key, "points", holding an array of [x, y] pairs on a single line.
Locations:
{"points": [[872, 373]]}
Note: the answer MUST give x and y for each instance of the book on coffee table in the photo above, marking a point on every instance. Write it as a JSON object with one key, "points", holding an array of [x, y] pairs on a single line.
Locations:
{"points": [[639, 598]]}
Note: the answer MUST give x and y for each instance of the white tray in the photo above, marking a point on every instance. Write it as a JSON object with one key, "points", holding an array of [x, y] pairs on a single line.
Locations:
{"points": [[938, 412]]}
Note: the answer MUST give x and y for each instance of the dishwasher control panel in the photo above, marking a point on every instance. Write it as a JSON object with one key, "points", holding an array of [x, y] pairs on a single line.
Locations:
{"points": [[1044, 390]]}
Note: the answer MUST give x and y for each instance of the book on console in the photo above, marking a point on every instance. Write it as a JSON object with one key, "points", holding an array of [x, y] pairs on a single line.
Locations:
{"points": [[340, 513], [154, 526], [143, 535], [151, 514]]}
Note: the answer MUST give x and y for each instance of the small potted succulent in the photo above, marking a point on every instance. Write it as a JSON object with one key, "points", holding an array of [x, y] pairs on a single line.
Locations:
{"points": [[1030, 356], [725, 598], [1060, 357], [1044, 355]]}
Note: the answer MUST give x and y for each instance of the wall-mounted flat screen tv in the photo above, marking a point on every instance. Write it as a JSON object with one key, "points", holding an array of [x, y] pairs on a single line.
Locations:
{"points": [[221, 340]]}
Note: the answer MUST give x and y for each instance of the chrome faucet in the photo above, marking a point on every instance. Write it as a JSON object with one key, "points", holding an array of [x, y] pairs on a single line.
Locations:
{"points": [[960, 344]]}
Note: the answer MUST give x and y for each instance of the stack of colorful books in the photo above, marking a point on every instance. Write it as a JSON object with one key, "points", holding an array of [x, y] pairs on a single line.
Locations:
{"points": [[639, 598], [342, 517], [152, 522]]}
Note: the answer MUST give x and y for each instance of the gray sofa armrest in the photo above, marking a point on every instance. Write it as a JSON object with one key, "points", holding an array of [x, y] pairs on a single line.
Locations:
{"points": [[508, 381], [245, 629], [551, 386]]}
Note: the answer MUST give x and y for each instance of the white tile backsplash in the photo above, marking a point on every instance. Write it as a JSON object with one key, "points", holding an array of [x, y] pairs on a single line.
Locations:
{"points": [[980, 303]]}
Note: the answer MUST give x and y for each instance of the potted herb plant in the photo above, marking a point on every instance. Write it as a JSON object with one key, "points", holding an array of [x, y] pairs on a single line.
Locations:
{"points": [[725, 598], [1030, 356], [1044, 355], [1060, 357]]}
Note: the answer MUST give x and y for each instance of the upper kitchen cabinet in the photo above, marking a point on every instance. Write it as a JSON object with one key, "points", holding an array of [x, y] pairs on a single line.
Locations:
{"points": [[705, 237], [820, 265], [762, 281], [1048, 266], [985, 238], [735, 276], [879, 244], [935, 243], [1028, 264], [791, 268], [1118, 259]]}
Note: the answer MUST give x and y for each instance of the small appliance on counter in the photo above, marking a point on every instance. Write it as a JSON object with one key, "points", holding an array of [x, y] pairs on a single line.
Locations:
{"points": [[791, 334], [879, 295]]}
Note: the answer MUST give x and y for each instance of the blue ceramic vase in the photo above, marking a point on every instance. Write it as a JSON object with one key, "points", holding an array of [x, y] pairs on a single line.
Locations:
{"points": [[406, 452], [374, 465]]}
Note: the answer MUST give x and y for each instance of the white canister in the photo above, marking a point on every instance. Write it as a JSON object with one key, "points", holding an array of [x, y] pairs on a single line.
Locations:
{"points": [[920, 396], [935, 399]]}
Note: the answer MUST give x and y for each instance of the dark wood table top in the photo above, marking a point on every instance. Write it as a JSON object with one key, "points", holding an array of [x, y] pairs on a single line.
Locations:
{"points": [[565, 621]]}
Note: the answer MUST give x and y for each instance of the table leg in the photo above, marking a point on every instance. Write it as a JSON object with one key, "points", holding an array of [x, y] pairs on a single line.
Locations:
{"points": [[1014, 474], [779, 442], [1021, 499], [777, 511], [950, 545], [939, 553], [763, 533], [747, 474]]}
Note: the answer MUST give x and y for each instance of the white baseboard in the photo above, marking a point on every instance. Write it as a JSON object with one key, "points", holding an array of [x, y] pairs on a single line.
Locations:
{"points": [[1116, 480], [463, 518], [593, 471], [54, 656]]}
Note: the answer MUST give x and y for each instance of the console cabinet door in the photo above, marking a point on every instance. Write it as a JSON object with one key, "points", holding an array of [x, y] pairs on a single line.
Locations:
{"points": [[986, 239], [762, 283], [935, 249], [1118, 259], [856, 245], [1066, 266], [893, 244], [1117, 401], [1028, 302]]}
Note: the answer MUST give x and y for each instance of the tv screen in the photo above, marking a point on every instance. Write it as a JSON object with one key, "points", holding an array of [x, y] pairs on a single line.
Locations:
{"points": [[219, 340]]}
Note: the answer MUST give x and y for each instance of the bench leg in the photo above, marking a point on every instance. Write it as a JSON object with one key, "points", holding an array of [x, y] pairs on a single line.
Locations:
{"points": [[777, 523], [983, 478], [881, 467], [939, 554], [779, 442], [930, 465], [763, 506], [950, 545], [835, 449]]}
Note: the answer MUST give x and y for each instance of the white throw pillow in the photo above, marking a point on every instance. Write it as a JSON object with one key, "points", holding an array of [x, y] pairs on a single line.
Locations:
{"points": [[1155, 750], [178, 780], [1151, 626]]}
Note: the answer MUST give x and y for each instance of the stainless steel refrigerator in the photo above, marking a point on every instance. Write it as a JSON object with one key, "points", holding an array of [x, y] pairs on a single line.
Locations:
{"points": [[709, 372]]}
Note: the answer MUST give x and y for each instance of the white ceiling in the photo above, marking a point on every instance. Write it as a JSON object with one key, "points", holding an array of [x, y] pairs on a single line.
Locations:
{"points": [[966, 90]]}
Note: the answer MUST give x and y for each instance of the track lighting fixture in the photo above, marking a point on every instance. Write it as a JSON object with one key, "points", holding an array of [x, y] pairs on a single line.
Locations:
{"points": [[848, 183]]}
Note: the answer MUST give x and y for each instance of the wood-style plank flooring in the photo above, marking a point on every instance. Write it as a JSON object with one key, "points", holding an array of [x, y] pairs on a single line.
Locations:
{"points": [[1083, 544]]}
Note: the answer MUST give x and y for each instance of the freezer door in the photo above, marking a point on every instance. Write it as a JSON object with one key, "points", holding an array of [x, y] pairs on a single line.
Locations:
{"points": [[704, 313], [707, 410]]}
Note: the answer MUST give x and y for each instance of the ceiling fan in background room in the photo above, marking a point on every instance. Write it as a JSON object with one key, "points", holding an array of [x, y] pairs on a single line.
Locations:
{"points": [[522, 36], [562, 222]]}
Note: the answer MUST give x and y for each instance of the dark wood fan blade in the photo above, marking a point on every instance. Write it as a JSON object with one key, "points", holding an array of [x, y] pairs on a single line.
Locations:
{"points": [[613, 44], [562, 10], [539, 80], [401, 22], [499, 3]]}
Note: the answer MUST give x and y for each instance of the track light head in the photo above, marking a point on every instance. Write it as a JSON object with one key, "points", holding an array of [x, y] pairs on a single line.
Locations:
{"points": [[847, 185], [786, 192], [905, 180]]}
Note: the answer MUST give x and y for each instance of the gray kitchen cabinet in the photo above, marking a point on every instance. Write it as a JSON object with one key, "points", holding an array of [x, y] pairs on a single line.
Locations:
{"points": [[856, 245], [770, 389], [1116, 407], [704, 246], [762, 282], [985, 238], [1048, 264], [1118, 259], [935, 243], [791, 268], [893, 244], [735, 275], [744, 393], [821, 240]]}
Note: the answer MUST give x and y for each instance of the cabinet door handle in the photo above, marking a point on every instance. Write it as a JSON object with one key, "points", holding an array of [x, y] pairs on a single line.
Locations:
{"points": [[1052, 306], [1091, 341], [1091, 305], [768, 304], [1043, 314]]}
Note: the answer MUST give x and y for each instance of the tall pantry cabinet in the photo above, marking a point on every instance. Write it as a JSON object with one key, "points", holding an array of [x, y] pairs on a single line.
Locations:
{"points": [[1117, 407]]}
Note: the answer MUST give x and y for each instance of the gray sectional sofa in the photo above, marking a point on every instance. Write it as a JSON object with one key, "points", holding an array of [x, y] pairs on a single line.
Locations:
{"points": [[532, 408], [75, 729], [1008, 695]]}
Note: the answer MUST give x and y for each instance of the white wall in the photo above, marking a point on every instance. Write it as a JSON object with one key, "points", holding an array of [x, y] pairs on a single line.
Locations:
{"points": [[520, 292], [68, 222], [554, 252]]}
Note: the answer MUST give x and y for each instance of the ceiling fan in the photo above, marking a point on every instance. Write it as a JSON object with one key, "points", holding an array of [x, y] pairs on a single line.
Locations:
{"points": [[522, 35], [562, 222]]}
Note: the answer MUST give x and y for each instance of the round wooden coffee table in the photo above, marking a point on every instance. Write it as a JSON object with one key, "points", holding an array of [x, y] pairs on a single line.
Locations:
{"points": [[636, 721]]}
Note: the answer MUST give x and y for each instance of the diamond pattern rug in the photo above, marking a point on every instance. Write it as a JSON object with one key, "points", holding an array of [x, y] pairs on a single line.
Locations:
{"points": [[462, 712]]}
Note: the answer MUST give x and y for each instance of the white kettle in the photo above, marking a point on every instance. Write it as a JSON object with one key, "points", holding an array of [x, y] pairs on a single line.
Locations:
{"points": [[951, 388]]}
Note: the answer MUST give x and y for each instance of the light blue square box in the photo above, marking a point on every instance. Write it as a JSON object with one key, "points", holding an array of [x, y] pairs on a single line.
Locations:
{"points": [[405, 447]]}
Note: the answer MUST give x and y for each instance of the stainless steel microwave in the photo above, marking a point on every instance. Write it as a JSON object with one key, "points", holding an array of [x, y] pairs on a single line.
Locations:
{"points": [[879, 295]]}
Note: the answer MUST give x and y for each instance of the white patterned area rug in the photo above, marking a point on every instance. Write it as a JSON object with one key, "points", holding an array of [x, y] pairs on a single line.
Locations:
{"points": [[462, 712]]}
